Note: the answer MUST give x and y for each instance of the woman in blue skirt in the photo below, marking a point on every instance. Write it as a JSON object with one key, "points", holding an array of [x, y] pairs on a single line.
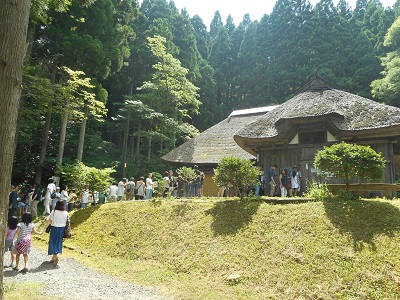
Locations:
{"points": [[57, 221]]}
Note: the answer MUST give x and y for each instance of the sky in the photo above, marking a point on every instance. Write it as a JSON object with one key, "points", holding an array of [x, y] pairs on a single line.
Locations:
{"points": [[237, 8]]}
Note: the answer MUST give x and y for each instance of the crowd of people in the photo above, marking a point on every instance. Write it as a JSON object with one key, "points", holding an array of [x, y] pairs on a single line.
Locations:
{"points": [[57, 201], [21, 202], [283, 182]]}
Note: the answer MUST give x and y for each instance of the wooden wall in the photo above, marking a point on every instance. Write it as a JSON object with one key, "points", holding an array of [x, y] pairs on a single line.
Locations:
{"points": [[303, 158]]}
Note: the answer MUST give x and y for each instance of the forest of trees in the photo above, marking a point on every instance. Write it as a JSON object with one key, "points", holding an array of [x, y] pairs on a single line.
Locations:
{"points": [[112, 84]]}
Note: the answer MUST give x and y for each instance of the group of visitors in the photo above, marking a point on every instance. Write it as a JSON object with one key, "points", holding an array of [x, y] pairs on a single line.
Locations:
{"points": [[70, 199], [23, 207], [18, 236], [175, 186], [182, 186], [286, 183], [129, 190]]}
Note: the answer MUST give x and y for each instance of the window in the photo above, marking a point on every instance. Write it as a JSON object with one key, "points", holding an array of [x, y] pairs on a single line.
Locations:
{"points": [[316, 137]]}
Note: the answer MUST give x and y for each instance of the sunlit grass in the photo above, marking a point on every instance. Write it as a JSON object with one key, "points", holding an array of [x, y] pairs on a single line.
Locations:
{"points": [[31, 291], [246, 250]]}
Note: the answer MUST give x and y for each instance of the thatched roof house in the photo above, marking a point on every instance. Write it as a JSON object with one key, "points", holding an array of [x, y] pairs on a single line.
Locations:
{"points": [[208, 148], [316, 116], [291, 133]]}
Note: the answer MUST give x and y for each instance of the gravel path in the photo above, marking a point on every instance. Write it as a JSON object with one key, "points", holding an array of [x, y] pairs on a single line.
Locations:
{"points": [[87, 283]]}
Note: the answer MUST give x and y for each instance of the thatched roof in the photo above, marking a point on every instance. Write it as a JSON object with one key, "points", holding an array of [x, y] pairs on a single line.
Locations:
{"points": [[210, 146], [346, 115]]}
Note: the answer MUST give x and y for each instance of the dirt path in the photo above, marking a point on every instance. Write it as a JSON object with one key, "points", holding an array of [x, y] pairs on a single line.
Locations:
{"points": [[72, 280]]}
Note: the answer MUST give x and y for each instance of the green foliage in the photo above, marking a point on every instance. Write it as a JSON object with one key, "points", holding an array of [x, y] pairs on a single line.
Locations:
{"points": [[169, 83], [251, 64], [317, 190], [347, 196], [349, 161], [279, 251], [158, 179], [237, 172], [387, 88], [79, 92], [77, 175], [186, 172]]}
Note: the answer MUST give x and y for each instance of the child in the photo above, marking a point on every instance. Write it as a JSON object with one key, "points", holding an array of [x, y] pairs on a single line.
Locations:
{"points": [[22, 240], [10, 233]]}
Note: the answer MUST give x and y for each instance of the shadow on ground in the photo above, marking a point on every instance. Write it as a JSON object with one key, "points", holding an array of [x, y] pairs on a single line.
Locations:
{"points": [[43, 267], [231, 216], [363, 220]]}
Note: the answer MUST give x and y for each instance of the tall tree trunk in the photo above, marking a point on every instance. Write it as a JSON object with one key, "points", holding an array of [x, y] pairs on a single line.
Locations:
{"points": [[162, 141], [45, 140], [82, 134], [14, 16], [63, 134], [149, 148], [125, 145], [138, 139], [43, 148], [27, 61]]}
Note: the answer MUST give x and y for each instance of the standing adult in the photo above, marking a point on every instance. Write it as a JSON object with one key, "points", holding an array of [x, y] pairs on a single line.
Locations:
{"points": [[95, 197], [197, 181], [72, 198], [201, 187], [187, 187], [175, 187], [299, 180], [56, 198], [51, 188], [29, 196], [12, 202], [282, 182], [36, 198], [272, 180], [140, 188], [167, 184], [84, 197], [130, 188], [64, 196], [294, 182], [171, 180], [57, 220], [149, 186], [102, 197], [257, 187], [112, 192], [121, 189]]}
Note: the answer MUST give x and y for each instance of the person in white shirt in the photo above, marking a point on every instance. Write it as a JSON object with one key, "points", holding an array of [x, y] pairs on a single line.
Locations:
{"points": [[51, 188], [121, 189], [57, 220], [112, 192], [84, 199], [149, 186], [64, 196]]}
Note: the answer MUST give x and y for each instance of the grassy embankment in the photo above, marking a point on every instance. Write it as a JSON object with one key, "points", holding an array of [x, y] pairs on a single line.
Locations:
{"points": [[315, 250]]}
